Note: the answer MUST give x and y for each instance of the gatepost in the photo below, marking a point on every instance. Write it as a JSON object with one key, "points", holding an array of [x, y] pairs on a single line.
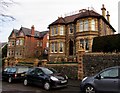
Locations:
{"points": [[81, 52]]}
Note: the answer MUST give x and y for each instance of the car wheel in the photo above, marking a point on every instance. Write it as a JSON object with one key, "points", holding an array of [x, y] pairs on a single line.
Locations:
{"points": [[47, 86], [25, 82], [9, 79], [89, 89]]}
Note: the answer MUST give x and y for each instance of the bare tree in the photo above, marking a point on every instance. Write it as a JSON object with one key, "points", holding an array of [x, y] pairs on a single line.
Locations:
{"points": [[4, 5]]}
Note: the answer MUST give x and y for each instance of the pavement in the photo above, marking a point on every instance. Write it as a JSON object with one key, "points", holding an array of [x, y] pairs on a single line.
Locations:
{"points": [[74, 83]]}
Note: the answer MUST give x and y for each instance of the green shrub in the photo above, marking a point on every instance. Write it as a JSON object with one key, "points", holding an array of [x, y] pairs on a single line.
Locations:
{"points": [[110, 43]]}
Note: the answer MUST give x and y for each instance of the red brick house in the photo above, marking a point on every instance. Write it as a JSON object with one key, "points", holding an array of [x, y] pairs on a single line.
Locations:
{"points": [[26, 43]]}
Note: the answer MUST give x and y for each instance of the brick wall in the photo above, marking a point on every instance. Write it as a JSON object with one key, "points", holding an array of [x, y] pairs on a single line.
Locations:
{"points": [[94, 62]]}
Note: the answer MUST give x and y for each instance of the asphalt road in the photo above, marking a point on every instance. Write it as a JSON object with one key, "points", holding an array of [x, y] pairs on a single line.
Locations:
{"points": [[18, 87]]}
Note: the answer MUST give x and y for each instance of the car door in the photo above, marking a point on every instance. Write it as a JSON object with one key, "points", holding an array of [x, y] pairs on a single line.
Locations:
{"points": [[4, 73], [31, 76], [39, 76], [108, 81]]}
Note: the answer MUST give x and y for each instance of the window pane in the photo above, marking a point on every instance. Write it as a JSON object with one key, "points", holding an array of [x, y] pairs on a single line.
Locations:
{"points": [[56, 30], [86, 44], [112, 73], [93, 25], [61, 30], [82, 43], [56, 47], [52, 47], [86, 25], [52, 31], [61, 46], [81, 25], [17, 42]]}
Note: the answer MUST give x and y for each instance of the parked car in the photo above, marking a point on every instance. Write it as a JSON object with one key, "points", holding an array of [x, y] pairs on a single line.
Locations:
{"points": [[46, 77], [14, 73], [107, 81]]}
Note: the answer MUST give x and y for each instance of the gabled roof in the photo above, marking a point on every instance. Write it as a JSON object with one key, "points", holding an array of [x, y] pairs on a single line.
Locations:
{"points": [[60, 20], [42, 34], [15, 31], [27, 32]]}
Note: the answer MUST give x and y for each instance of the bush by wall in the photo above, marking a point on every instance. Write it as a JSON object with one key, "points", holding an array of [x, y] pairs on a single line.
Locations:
{"points": [[110, 43]]}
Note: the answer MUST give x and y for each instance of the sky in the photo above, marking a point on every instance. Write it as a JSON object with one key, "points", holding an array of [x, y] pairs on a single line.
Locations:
{"points": [[41, 13]]}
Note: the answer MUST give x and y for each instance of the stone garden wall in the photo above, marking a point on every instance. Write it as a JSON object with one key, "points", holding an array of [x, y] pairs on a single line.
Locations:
{"points": [[94, 62]]}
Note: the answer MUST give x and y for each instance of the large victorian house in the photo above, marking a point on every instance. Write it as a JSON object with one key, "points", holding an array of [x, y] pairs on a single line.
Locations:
{"points": [[68, 34], [26, 43]]}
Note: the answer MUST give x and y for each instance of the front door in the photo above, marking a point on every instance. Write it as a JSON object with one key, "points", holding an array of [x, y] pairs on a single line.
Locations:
{"points": [[71, 47]]}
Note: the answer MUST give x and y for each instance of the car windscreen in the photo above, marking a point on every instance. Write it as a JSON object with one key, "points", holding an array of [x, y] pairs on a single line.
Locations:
{"points": [[22, 69], [47, 71]]}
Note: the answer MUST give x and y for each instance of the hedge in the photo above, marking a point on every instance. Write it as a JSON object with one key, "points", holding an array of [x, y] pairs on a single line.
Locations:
{"points": [[110, 43]]}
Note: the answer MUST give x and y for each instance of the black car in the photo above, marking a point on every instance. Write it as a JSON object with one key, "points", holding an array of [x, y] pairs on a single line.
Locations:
{"points": [[106, 81], [14, 73], [46, 77]]}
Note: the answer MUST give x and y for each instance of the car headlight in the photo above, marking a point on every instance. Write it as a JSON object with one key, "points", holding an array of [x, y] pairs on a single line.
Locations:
{"points": [[84, 79], [54, 78]]}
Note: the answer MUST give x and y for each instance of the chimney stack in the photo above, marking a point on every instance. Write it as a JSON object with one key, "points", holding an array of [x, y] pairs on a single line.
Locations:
{"points": [[108, 16], [32, 30], [103, 10]]}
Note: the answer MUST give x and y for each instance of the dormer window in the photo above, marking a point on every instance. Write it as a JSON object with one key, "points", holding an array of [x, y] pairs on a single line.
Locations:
{"points": [[13, 35]]}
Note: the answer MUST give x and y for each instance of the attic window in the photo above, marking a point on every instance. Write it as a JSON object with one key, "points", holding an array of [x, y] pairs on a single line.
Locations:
{"points": [[21, 34], [13, 35]]}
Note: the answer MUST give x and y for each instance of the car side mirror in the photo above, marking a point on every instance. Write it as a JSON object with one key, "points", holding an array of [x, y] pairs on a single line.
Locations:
{"points": [[98, 77]]}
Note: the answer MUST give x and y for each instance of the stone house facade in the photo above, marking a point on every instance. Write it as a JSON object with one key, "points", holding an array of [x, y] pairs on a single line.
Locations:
{"points": [[67, 34]]}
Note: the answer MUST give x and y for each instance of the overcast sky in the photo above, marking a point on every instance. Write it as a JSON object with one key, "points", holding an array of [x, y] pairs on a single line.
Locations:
{"points": [[41, 13]]}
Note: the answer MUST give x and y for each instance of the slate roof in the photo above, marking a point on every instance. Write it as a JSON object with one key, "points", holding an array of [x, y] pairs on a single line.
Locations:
{"points": [[27, 32], [82, 14]]}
